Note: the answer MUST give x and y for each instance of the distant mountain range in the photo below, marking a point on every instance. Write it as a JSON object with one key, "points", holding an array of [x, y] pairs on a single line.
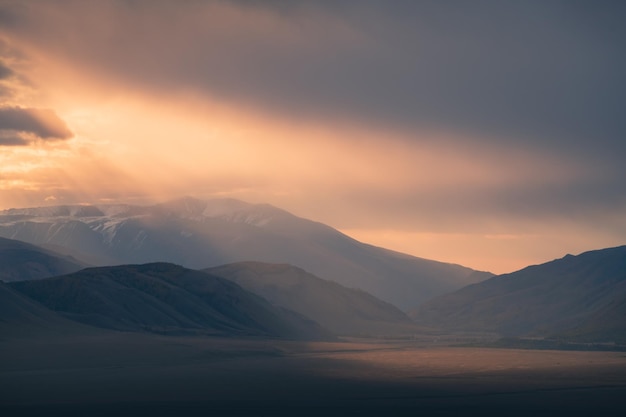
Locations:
{"points": [[345, 311], [580, 298], [279, 276], [159, 298], [23, 261], [199, 234]]}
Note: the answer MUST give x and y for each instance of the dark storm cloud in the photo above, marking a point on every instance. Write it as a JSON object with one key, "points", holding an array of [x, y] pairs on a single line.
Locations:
{"points": [[546, 77], [18, 124], [549, 73], [485, 209]]}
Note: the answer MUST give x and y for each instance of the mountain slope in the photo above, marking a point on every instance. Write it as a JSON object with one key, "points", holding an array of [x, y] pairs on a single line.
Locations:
{"points": [[579, 297], [22, 261], [199, 234], [343, 310], [165, 298], [21, 316]]}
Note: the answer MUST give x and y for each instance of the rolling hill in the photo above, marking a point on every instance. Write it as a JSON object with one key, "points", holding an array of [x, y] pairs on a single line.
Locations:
{"points": [[344, 311], [22, 261], [581, 298], [21, 316], [168, 299], [199, 234]]}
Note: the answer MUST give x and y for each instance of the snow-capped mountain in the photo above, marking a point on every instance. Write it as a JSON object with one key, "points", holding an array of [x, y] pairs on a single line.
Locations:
{"points": [[200, 234]]}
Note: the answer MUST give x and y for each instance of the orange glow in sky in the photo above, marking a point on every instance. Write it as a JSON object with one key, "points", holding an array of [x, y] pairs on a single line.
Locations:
{"points": [[176, 100]]}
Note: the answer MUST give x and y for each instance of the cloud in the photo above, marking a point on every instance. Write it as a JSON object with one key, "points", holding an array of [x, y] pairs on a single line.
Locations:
{"points": [[5, 72], [5, 92], [19, 125], [547, 73], [13, 82], [11, 139], [501, 113], [537, 77]]}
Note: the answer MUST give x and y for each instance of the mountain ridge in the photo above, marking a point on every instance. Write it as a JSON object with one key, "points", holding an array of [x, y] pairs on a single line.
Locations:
{"points": [[344, 311], [200, 234], [23, 261], [165, 298], [580, 297]]}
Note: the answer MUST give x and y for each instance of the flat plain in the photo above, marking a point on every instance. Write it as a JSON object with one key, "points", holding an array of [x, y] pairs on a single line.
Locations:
{"points": [[122, 374]]}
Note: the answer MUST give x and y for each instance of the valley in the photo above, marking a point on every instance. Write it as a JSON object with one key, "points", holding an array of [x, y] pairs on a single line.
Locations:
{"points": [[146, 375]]}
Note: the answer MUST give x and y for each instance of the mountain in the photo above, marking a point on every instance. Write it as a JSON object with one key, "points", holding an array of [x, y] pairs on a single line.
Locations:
{"points": [[199, 234], [165, 298], [576, 297], [342, 310], [21, 316], [22, 261]]}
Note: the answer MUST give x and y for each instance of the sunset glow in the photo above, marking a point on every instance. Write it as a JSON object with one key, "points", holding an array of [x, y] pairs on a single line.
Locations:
{"points": [[324, 113]]}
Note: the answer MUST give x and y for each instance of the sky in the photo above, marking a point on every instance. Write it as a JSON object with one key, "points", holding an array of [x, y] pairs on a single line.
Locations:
{"points": [[485, 133]]}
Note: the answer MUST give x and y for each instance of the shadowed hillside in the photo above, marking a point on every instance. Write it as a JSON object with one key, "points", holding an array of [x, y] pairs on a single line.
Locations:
{"points": [[21, 316], [342, 310], [165, 298], [22, 261], [576, 297]]}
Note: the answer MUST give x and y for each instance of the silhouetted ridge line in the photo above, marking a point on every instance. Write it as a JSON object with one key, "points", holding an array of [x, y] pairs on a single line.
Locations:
{"points": [[166, 298]]}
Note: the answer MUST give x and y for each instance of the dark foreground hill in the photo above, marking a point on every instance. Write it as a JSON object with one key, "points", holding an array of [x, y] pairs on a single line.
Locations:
{"points": [[165, 298], [22, 261], [343, 310], [21, 316], [200, 234], [580, 298]]}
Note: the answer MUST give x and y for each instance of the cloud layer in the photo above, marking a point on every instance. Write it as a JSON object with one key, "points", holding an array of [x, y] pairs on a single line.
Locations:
{"points": [[484, 118], [548, 73], [18, 126]]}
